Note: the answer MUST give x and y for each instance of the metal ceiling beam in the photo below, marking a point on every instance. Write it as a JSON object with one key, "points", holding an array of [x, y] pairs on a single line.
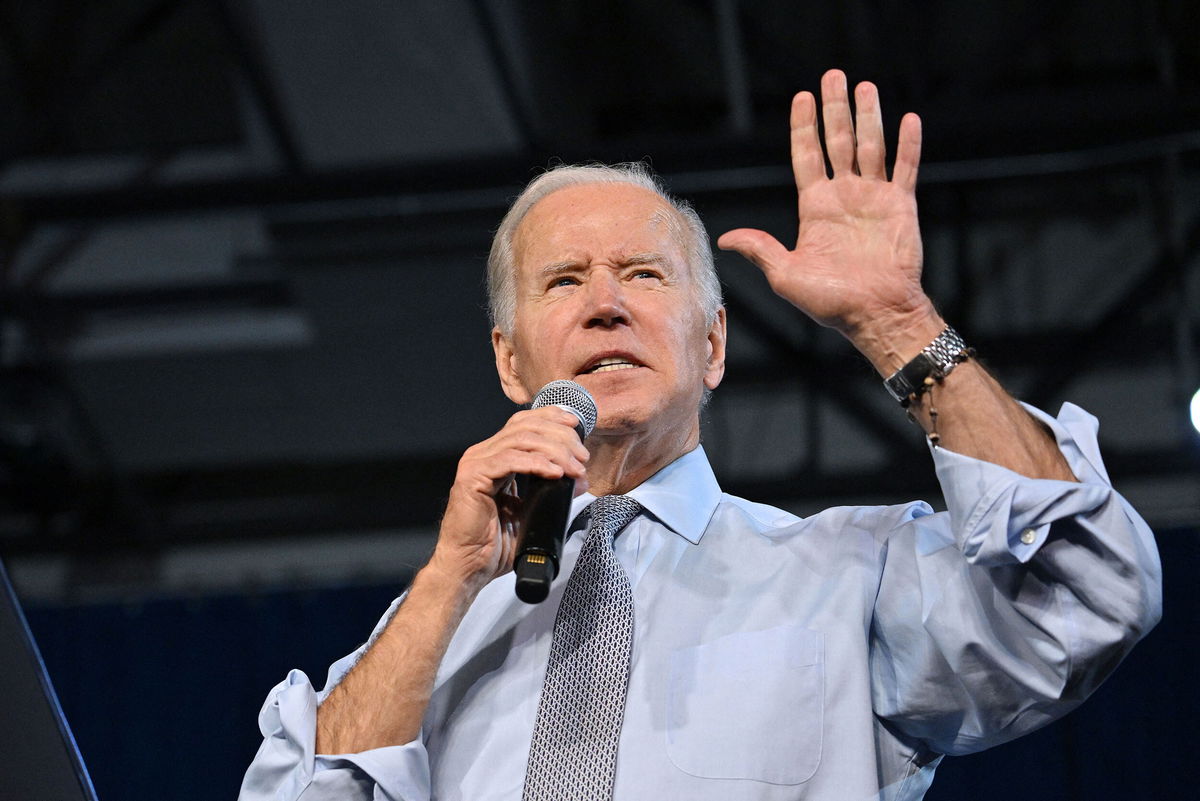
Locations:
{"points": [[1115, 327], [518, 107], [1140, 344], [488, 183], [733, 66], [152, 19], [40, 273], [247, 50]]}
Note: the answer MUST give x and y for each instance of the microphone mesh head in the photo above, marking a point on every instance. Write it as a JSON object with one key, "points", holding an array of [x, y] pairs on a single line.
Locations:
{"points": [[570, 396]]}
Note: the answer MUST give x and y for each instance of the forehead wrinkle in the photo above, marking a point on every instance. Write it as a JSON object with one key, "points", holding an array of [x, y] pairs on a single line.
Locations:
{"points": [[663, 219]]}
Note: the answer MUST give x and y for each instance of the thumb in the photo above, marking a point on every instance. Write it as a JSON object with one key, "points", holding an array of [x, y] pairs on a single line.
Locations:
{"points": [[759, 247]]}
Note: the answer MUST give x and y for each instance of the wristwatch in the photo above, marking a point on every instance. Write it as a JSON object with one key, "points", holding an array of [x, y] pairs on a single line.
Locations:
{"points": [[936, 361]]}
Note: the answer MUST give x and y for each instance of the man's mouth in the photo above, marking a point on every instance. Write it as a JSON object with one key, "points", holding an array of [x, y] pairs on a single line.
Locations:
{"points": [[610, 364]]}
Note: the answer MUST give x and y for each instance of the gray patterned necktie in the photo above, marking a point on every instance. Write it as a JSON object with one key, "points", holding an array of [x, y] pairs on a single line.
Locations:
{"points": [[573, 755]]}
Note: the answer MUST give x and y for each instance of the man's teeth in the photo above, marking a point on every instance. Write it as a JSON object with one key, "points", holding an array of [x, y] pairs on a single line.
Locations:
{"points": [[609, 364]]}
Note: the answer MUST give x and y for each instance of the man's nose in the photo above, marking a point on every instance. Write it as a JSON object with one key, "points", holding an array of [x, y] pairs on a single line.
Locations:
{"points": [[606, 300]]}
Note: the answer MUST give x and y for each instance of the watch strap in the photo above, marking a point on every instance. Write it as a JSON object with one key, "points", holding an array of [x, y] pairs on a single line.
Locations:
{"points": [[935, 361]]}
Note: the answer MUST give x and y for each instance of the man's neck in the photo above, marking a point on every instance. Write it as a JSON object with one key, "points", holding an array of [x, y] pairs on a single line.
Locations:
{"points": [[621, 462]]}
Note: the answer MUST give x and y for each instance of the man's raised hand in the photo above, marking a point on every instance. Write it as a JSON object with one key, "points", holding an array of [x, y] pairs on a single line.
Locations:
{"points": [[856, 266]]}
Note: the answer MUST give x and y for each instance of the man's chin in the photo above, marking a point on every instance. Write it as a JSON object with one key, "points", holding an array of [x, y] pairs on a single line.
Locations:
{"points": [[619, 394], [638, 408]]}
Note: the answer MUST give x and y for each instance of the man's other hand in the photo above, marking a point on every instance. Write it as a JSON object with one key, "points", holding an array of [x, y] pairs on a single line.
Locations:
{"points": [[478, 537]]}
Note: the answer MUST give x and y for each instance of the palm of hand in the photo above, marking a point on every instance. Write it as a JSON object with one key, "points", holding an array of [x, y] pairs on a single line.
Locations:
{"points": [[857, 256], [856, 266]]}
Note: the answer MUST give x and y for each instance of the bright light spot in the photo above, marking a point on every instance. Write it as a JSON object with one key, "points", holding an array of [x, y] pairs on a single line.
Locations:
{"points": [[1196, 411]]}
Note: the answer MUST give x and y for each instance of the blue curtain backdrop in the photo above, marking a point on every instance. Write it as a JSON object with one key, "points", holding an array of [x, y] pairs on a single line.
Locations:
{"points": [[163, 695]]}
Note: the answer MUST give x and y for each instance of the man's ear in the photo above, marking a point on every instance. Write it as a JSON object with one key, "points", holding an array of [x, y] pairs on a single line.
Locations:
{"points": [[506, 368], [715, 369]]}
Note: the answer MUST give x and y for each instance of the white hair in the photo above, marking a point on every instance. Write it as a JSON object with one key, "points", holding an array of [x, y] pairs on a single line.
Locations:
{"points": [[685, 226]]}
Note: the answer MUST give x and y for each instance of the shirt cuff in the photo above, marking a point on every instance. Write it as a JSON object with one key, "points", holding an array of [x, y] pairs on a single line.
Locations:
{"points": [[288, 721], [1001, 517], [400, 772]]}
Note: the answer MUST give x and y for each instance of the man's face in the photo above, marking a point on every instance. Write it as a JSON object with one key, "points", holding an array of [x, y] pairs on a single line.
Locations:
{"points": [[605, 297]]}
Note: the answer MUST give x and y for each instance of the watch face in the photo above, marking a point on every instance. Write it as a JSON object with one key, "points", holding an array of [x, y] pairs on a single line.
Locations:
{"points": [[912, 375], [899, 387], [895, 387]]}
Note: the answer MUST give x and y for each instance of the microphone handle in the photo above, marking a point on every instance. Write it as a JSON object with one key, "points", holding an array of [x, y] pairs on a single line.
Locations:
{"points": [[545, 505]]}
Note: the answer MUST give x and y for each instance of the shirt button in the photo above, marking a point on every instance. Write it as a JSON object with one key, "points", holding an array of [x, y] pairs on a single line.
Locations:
{"points": [[1028, 536]]}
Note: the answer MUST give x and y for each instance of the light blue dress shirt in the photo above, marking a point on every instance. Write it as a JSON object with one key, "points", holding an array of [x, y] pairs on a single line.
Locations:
{"points": [[834, 657]]}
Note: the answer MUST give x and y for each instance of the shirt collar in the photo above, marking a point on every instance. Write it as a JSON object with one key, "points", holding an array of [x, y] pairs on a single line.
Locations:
{"points": [[683, 495]]}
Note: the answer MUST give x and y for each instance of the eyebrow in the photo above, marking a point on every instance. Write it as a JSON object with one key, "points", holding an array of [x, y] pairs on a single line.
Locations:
{"points": [[633, 260], [649, 257], [560, 267]]}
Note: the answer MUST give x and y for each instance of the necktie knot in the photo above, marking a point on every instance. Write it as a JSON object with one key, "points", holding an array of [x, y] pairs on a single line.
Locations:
{"points": [[612, 513]]}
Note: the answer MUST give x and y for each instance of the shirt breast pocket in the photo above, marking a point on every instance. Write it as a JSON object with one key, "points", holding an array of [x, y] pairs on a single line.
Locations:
{"points": [[748, 706]]}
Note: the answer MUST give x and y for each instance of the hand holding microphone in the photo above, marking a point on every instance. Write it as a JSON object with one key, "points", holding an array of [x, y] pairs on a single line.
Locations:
{"points": [[513, 489], [546, 503]]}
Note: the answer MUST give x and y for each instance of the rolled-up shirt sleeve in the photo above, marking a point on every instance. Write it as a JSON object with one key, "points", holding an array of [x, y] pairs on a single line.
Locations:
{"points": [[1005, 613], [287, 767]]}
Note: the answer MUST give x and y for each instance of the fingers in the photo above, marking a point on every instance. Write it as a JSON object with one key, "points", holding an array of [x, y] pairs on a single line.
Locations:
{"points": [[544, 442], [839, 131], [477, 538], [808, 161], [854, 144], [540, 442], [868, 127], [908, 152]]}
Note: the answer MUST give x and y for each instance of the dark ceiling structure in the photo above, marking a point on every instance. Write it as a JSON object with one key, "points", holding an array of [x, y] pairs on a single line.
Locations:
{"points": [[241, 244]]}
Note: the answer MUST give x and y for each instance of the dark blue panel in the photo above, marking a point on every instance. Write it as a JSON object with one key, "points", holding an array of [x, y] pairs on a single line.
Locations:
{"points": [[163, 696]]}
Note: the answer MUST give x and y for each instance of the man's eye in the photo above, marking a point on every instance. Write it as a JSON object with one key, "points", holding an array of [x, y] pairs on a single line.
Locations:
{"points": [[564, 282], [646, 274]]}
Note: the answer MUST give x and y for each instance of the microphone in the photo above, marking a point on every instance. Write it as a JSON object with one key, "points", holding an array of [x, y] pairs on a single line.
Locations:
{"points": [[545, 503]]}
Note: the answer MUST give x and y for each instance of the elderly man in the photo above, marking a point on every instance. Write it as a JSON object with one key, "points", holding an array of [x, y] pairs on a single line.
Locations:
{"points": [[707, 647]]}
